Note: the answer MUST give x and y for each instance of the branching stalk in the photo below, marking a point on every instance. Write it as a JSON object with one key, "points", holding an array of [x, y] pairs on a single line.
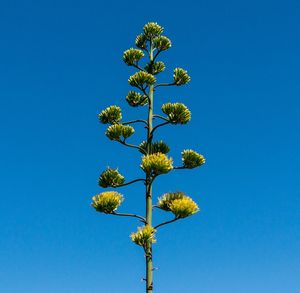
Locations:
{"points": [[129, 215], [130, 182], [167, 222]]}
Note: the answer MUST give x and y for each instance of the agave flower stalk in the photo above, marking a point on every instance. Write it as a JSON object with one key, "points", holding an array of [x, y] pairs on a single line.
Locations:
{"points": [[155, 160]]}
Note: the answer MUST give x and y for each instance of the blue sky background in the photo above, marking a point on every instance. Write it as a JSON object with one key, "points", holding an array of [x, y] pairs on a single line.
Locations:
{"points": [[61, 63]]}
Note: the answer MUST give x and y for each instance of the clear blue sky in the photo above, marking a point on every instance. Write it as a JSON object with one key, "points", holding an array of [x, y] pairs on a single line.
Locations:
{"points": [[61, 63]]}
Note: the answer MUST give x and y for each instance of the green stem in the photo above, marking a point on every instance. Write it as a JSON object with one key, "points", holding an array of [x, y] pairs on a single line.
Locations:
{"points": [[149, 265]]}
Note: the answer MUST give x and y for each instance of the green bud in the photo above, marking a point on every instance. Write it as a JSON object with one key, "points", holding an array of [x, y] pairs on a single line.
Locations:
{"points": [[180, 76], [132, 56], [156, 147], [111, 178], [141, 41], [110, 115], [117, 131], [162, 43], [178, 113], [152, 30], [192, 159], [141, 78], [135, 99], [156, 67]]}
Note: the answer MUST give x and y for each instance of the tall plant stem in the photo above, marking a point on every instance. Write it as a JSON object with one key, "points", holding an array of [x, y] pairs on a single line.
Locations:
{"points": [[148, 250]]}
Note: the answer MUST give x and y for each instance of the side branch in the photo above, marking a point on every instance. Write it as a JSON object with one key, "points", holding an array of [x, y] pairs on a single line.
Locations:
{"points": [[159, 125], [164, 84], [129, 215], [135, 121], [130, 182], [167, 222], [129, 145], [161, 117], [138, 67], [180, 168]]}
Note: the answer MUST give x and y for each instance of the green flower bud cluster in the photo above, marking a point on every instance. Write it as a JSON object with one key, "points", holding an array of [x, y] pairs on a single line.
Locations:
{"points": [[107, 202], [152, 30], [135, 99], [162, 43], [143, 236], [141, 78], [116, 131], [178, 113], [111, 178], [192, 159], [132, 56], [156, 147], [180, 76], [141, 41], [156, 164], [178, 203], [156, 67], [110, 115]]}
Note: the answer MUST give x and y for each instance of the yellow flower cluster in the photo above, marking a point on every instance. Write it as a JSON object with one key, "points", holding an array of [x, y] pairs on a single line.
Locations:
{"points": [[183, 207], [156, 164], [107, 202], [178, 203], [143, 236]]}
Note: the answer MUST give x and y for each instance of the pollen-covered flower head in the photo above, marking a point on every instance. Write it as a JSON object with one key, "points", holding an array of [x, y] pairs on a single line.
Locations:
{"points": [[166, 199], [143, 236], [183, 207], [156, 164], [178, 203], [107, 202]]}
